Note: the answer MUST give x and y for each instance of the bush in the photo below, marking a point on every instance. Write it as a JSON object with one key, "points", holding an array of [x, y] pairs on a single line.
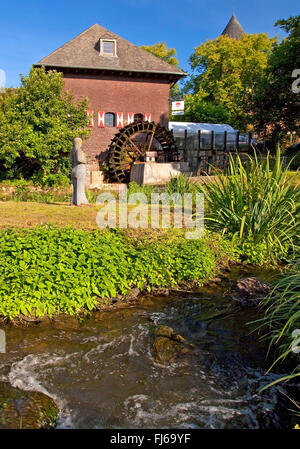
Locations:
{"points": [[254, 204], [38, 122], [52, 270], [52, 180]]}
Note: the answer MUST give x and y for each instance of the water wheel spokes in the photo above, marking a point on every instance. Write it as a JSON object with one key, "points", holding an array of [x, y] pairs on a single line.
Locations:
{"points": [[124, 151]]}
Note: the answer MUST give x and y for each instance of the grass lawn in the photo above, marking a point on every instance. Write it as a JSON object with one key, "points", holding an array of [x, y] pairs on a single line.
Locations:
{"points": [[25, 214], [14, 214]]}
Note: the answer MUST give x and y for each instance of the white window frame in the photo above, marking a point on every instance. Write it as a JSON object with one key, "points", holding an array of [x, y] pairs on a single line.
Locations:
{"points": [[102, 40]]}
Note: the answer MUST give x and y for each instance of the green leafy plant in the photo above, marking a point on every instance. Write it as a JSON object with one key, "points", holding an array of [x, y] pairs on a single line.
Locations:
{"points": [[253, 203], [51, 180], [52, 270]]}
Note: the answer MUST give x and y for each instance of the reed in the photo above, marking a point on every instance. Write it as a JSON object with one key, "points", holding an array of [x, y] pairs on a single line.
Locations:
{"points": [[281, 322], [254, 202]]}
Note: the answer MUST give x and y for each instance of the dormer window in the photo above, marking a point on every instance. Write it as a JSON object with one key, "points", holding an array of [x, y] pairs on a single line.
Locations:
{"points": [[108, 47]]}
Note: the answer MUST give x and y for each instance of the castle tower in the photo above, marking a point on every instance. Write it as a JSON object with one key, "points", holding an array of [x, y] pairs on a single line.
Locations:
{"points": [[234, 29]]}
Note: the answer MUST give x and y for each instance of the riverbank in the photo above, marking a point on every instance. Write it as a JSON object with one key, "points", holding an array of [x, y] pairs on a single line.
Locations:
{"points": [[65, 278], [102, 371], [50, 270]]}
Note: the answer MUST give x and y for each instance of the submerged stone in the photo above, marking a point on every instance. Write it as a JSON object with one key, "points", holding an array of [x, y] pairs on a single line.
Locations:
{"points": [[132, 294], [168, 345], [26, 409], [250, 291]]}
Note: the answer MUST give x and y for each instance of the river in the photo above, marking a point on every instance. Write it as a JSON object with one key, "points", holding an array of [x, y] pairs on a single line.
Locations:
{"points": [[102, 371]]}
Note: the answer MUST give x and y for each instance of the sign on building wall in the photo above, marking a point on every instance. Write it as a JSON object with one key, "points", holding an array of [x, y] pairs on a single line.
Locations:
{"points": [[178, 107]]}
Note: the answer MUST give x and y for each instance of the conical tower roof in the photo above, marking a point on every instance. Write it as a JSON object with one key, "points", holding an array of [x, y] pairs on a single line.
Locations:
{"points": [[233, 29]]}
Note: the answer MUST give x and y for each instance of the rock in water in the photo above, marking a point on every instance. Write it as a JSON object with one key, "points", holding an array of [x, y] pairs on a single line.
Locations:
{"points": [[168, 345], [132, 294], [26, 409], [250, 291]]}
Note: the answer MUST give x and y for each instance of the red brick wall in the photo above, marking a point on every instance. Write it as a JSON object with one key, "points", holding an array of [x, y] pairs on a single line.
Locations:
{"points": [[122, 94]]}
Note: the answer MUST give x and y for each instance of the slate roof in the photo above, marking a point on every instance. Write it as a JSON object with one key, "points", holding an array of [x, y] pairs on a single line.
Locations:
{"points": [[234, 29], [84, 52]]}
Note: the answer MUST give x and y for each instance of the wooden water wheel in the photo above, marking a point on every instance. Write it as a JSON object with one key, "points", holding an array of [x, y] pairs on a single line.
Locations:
{"points": [[132, 142]]}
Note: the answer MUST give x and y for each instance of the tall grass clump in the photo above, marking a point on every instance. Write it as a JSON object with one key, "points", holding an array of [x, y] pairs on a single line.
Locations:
{"points": [[133, 188], [179, 184], [254, 203], [281, 322]]}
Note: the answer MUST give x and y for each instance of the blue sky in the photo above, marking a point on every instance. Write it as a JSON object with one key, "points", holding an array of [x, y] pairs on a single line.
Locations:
{"points": [[31, 29]]}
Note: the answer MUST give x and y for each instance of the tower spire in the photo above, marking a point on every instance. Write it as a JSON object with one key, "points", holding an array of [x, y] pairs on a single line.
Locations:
{"points": [[233, 28]]}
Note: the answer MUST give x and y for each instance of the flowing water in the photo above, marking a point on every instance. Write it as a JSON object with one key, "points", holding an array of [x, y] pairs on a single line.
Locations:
{"points": [[103, 374]]}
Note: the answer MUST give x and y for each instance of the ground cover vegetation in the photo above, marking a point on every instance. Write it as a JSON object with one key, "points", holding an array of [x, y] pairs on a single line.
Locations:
{"points": [[51, 270]]}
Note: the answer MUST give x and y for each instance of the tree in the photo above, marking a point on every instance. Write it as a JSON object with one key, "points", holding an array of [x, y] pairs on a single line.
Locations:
{"points": [[273, 103], [226, 69], [168, 55], [38, 122], [197, 110], [161, 50]]}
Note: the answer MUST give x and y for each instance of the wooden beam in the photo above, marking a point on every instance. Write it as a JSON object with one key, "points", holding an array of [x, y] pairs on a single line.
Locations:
{"points": [[225, 140], [185, 146], [237, 141], [249, 142]]}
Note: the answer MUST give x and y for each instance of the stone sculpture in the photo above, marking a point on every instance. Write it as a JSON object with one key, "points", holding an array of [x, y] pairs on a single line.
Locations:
{"points": [[78, 160]]}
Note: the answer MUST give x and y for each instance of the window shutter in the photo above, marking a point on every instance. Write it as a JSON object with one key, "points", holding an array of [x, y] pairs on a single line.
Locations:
{"points": [[130, 117], [90, 115], [119, 119], [100, 119]]}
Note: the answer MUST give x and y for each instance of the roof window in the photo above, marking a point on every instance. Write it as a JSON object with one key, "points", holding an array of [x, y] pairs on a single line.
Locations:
{"points": [[108, 47]]}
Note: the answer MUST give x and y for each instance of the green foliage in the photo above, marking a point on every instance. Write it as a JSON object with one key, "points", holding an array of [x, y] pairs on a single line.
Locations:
{"points": [[258, 253], [168, 55], [38, 122], [281, 319], [53, 270], [24, 192], [254, 204], [273, 104], [91, 196], [147, 190], [179, 184], [15, 182], [224, 71], [193, 261], [199, 110], [161, 50], [51, 180]]}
